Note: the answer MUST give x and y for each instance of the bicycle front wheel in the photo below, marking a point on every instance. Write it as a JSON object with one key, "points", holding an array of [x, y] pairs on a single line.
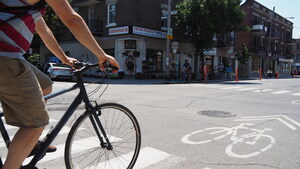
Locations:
{"points": [[83, 148]]}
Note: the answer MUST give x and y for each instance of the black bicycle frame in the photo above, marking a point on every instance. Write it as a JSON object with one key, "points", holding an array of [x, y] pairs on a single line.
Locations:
{"points": [[82, 96]]}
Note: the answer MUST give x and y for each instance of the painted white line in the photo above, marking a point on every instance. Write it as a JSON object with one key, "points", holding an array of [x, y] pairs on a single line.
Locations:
{"points": [[245, 89], [274, 117], [78, 146], [281, 92], [296, 94], [215, 86], [8, 127], [64, 130], [233, 87], [296, 102], [262, 91], [147, 157]]}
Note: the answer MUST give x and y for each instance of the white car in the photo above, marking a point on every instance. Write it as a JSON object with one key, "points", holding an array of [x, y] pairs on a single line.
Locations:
{"points": [[58, 70]]}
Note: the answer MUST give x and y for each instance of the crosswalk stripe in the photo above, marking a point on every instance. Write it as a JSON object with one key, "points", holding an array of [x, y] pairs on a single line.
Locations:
{"points": [[296, 94], [64, 130], [245, 89], [91, 141], [280, 92], [263, 90], [8, 127], [234, 87], [147, 157]]}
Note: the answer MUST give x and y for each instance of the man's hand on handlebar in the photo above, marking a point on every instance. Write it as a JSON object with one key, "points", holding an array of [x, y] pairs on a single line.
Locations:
{"points": [[109, 61]]}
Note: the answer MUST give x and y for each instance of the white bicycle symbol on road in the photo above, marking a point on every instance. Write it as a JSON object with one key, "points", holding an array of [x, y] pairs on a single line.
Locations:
{"points": [[237, 147]]}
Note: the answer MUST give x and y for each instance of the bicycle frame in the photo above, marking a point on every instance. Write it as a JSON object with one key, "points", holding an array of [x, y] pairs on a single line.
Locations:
{"points": [[82, 96]]}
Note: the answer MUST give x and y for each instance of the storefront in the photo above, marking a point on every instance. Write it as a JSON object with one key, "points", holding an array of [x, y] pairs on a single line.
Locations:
{"points": [[284, 66]]}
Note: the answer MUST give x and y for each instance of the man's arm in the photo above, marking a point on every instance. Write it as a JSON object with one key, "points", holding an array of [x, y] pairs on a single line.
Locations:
{"points": [[79, 29], [48, 38]]}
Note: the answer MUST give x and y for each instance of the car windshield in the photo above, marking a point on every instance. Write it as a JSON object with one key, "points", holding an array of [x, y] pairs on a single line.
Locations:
{"points": [[60, 65]]}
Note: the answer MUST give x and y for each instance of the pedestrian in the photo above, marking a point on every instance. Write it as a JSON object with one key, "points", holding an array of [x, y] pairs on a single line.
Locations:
{"points": [[130, 65], [187, 70], [22, 86]]}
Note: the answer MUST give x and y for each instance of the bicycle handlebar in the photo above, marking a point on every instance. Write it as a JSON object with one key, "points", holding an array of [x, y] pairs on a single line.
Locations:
{"points": [[82, 66]]}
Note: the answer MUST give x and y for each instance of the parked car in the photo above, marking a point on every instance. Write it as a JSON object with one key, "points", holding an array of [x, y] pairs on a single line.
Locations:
{"points": [[58, 70]]}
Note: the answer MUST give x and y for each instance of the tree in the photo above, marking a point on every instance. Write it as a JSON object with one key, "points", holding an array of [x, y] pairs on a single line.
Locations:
{"points": [[244, 55], [203, 19]]}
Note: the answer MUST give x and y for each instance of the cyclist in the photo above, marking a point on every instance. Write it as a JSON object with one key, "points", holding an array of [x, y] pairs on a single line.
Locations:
{"points": [[22, 86]]}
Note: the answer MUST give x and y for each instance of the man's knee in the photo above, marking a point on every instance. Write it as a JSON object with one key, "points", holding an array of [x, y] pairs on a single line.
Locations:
{"points": [[47, 90]]}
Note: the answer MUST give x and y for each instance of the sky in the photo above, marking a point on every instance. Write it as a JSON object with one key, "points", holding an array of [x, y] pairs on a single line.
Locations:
{"points": [[286, 8]]}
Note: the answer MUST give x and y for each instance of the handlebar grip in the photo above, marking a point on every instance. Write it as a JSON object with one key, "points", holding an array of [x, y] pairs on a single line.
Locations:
{"points": [[107, 65]]}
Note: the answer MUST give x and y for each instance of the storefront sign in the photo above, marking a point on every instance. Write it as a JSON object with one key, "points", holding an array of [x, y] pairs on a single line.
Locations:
{"points": [[211, 52], [119, 30], [148, 32], [285, 60]]}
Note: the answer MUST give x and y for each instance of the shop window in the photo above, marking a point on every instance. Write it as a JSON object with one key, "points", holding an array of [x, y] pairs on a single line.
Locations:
{"points": [[110, 52], [130, 44], [154, 61]]}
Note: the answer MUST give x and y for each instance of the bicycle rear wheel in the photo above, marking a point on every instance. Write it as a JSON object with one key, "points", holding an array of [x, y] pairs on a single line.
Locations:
{"points": [[83, 149]]}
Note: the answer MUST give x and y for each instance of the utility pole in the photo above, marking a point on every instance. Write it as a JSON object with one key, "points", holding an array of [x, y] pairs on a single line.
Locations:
{"points": [[269, 43], [168, 40]]}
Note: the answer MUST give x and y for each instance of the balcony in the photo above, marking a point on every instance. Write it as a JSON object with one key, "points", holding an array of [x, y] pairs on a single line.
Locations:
{"points": [[259, 29], [82, 3], [275, 35]]}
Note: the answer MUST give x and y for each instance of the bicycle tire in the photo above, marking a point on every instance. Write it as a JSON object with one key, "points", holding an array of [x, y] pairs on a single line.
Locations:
{"points": [[123, 131]]}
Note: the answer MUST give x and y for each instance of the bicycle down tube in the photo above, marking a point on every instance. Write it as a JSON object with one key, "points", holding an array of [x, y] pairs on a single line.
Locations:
{"points": [[82, 96]]}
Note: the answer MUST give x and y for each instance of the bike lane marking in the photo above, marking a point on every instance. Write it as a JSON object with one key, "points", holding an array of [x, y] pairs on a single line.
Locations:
{"points": [[281, 118]]}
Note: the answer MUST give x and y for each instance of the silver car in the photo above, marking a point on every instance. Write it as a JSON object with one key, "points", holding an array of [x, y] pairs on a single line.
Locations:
{"points": [[58, 70]]}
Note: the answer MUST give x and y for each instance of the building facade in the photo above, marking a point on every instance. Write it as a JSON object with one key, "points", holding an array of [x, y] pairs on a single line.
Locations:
{"points": [[138, 29], [295, 50], [268, 40]]}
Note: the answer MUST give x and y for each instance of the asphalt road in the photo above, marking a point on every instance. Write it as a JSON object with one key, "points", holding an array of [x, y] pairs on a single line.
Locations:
{"points": [[246, 125]]}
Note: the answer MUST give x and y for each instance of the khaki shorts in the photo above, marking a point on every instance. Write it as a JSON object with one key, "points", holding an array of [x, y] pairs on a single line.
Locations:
{"points": [[21, 95]]}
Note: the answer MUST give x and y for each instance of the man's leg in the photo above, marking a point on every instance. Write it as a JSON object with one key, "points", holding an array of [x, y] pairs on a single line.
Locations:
{"points": [[20, 147]]}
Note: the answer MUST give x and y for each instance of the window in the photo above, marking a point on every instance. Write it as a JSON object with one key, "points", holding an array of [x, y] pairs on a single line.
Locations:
{"points": [[298, 46], [111, 14], [164, 18], [91, 18]]}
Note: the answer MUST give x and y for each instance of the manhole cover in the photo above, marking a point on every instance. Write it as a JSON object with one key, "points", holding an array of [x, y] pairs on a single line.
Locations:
{"points": [[215, 113]]}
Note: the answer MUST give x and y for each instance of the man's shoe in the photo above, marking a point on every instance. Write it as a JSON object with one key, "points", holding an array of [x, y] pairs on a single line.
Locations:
{"points": [[49, 150]]}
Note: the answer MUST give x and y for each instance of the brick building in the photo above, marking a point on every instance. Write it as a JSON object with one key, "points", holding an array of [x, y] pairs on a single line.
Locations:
{"points": [[126, 28], [268, 40], [295, 50]]}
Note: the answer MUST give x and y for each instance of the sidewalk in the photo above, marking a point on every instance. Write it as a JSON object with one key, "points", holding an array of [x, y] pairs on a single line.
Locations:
{"points": [[164, 81]]}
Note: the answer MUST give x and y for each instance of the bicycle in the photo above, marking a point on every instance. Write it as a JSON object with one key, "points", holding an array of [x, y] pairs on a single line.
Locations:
{"points": [[217, 133], [110, 132]]}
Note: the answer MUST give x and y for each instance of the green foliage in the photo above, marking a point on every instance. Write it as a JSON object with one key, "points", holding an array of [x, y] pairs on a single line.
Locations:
{"points": [[34, 58], [54, 23], [244, 55], [202, 19]]}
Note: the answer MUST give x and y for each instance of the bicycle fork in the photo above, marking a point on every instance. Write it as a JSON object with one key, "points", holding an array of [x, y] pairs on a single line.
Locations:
{"points": [[97, 125]]}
